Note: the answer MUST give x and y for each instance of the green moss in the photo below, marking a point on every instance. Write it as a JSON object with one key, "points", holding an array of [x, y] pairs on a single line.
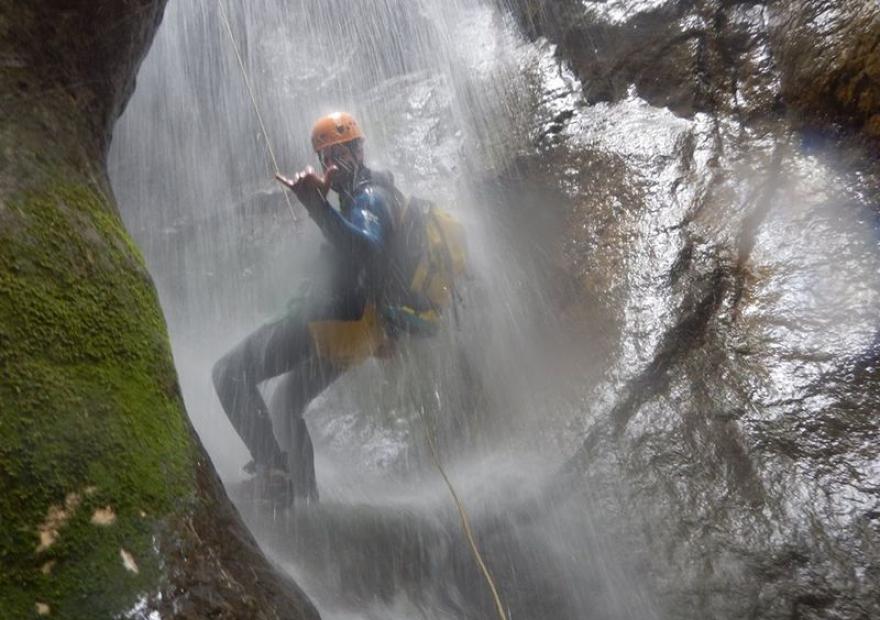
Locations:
{"points": [[89, 398]]}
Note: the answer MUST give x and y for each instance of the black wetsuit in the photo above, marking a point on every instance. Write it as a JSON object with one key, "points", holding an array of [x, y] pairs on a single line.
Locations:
{"points": [[359, 238]]}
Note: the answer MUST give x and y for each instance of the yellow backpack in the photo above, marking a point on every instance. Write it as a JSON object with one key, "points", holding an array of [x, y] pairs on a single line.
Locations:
{"points": [[429, 256]]}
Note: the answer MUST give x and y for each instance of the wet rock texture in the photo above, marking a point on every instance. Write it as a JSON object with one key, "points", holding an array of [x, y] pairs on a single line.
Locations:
{"points": [[109, 506], [818, 57], [718, 176]]}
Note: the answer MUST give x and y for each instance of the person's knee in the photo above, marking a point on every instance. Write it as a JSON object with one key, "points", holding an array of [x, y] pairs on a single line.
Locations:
{"points": [[225, 373], [218, 373]]}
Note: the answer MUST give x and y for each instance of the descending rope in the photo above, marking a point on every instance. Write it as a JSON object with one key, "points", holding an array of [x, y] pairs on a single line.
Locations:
{"points": [[465, 522], [247, 83]]}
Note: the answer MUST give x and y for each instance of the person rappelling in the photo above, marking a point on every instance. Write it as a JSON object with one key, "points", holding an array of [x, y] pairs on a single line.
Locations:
{"points": [[393, 262]]}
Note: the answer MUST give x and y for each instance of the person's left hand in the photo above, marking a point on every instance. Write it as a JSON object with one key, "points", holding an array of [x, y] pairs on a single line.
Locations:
{"points": [[310, 189]]}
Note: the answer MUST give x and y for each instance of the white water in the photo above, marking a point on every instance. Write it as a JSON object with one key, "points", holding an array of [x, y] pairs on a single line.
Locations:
{"points": [[440, 89]]}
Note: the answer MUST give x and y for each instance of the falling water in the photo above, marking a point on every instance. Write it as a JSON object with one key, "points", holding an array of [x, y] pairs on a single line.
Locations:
{"points": [[447, 93]]}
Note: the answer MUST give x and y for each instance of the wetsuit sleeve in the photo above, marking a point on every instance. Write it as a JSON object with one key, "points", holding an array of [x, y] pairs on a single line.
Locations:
{"points": [[365, 231]]}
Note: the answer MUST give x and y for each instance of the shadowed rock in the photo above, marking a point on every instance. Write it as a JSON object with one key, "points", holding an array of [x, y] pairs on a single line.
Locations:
{"points": [[109, 505], [746, 58], [719, 185]]}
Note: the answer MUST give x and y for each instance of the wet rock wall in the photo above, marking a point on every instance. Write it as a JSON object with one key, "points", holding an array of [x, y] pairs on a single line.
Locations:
{"points": [[109, 506], [818, 58], [715, 166]]}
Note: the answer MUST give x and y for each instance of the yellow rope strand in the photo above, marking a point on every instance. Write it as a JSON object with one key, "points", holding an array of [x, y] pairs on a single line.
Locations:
{"points": [[247, 83], [465, 523]]}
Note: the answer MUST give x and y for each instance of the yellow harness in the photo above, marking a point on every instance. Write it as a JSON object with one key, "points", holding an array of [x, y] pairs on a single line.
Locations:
{"points": [[348, 343]]}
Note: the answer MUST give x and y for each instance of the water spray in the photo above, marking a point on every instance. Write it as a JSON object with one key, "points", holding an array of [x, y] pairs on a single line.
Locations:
{"points": [[247, 83]]}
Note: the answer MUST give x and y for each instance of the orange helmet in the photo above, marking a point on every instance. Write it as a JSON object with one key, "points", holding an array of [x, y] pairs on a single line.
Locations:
{"points": [[333, 129]]}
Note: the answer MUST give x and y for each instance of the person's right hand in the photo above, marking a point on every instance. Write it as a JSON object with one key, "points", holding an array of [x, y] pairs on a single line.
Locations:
{"points": [[310, 189]]}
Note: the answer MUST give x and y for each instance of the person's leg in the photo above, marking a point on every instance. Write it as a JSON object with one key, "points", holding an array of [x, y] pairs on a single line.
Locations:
{"points": [[288, 403], [273, 349]]}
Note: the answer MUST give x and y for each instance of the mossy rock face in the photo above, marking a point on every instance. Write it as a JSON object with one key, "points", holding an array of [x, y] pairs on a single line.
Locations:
{"points": [[109, 506], [91, 409]]}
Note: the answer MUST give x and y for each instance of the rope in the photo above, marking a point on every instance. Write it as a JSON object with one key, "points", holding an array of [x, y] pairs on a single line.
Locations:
{"points": [[250, 90], [465, 523]]}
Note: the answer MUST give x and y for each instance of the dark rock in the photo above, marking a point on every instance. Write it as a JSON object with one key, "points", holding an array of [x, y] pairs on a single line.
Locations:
{"points": [[819, 57], [830, 55], [108, 503], [718, 193]]}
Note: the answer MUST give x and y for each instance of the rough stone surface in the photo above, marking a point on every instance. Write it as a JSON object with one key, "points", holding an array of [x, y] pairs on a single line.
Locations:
{"points": [[749, 59], [90, 410], [714, 167], [829, 52]]}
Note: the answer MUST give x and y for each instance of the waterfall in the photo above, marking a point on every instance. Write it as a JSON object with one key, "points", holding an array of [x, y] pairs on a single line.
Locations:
{"points": [[448, 94]]}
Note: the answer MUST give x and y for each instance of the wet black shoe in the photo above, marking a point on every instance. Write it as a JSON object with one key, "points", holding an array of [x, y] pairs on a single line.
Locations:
{"points": [[275, 487], [268, 485], [251, 467]]}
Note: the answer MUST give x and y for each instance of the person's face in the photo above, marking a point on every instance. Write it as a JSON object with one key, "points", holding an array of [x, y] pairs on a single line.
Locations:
{"points": [[347, 157]]}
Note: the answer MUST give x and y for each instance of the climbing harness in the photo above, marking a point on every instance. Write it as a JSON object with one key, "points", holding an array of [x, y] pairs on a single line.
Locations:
{"points": [[247, 83], [463, 517]]}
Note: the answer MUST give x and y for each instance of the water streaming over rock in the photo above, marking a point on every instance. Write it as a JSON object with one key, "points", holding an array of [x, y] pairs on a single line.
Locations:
{"points": [[448, 95], [674, 292], [722, 216]]}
